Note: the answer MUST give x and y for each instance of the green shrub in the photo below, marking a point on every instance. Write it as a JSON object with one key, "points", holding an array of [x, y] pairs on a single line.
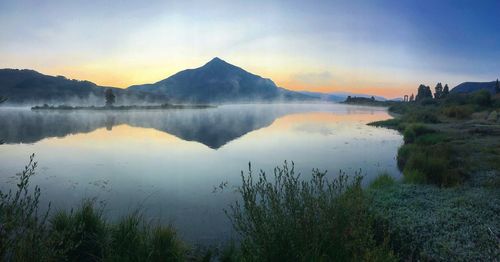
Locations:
{"points": [[409, 135], [81, 234], [482, 98], [413, 131], [422, 116], [459, 112], [383, 180], [432, 162], [393, 123], [290, 219], [414, 176], [428, 101], [165, 246], [128, 239], [21, 224], [431, 139], [403, 154]]}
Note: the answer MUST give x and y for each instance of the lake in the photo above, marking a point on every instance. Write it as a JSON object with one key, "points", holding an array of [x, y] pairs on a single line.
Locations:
{"points": [[167, 162]]}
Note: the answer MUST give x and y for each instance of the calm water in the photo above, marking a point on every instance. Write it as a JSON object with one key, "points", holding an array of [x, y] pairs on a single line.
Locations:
{"points": [[167, 162]]}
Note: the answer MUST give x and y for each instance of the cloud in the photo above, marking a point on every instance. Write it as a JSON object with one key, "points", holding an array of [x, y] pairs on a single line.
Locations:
{"points": [[313, 79]]}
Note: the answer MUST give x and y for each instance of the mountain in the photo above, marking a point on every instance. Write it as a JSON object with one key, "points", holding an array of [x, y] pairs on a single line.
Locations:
{"points": [[339, 96], [469, 87], [219, 82], [31, 87]]}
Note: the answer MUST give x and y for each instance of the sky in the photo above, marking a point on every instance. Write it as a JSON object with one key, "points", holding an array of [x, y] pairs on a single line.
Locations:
{"points": [[382, 48]]}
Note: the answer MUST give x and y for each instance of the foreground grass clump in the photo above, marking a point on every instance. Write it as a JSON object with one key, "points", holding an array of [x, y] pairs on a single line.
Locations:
{"points": [[427, 223], [21, 223], [78, 235], [287, 218]]}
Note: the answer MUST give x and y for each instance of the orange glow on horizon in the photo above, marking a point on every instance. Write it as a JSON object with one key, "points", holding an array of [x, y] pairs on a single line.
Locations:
{"points": [[122, 76]]}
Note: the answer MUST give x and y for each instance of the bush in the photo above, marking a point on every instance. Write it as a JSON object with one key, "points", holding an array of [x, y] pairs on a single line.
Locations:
{"points": [[422, 116], [431, 139], [482, 98], [383, 180], [289, 219], [459, 112], [81, 234], [413, 131], [21, 224], [432, 163], [403, 154]]}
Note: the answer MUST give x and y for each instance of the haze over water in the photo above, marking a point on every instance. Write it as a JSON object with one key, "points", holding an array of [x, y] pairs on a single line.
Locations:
{"points": [[167, 162]]}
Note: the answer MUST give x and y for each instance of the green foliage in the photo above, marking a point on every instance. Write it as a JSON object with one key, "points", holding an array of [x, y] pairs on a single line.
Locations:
{"points": [[394, 123], [403, 154], [431, 138], [432, 163], [414, 131], [423, 92], [422, 115], [459, 112], [21, 224], [81, 234], [165, 246], [290, 219], [439, 91], [382, 181], [482, 98]]}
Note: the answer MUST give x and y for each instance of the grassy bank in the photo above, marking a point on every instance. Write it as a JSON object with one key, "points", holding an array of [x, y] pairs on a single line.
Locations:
{"points": [[448, 204]]}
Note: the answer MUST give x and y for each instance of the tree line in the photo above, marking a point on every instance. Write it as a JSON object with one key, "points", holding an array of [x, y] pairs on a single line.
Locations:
{"points": [[424, 92]]}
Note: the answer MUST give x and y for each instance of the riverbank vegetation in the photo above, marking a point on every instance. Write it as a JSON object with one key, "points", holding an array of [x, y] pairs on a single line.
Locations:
{"points": [[448, 206]]}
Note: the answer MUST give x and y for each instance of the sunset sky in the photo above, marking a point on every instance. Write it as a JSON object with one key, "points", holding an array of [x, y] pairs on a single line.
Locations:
{"points": [[379, 47]]}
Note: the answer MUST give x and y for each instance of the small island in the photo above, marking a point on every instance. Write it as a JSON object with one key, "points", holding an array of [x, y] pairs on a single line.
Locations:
{"points": [[110, 100]]}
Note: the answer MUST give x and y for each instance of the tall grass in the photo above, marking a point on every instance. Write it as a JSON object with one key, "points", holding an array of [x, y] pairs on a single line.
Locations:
{"points": [[78, 235], [287, 218]]}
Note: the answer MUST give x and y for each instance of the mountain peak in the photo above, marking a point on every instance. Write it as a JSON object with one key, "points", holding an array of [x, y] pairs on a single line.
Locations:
{"points": [[216, 61]]}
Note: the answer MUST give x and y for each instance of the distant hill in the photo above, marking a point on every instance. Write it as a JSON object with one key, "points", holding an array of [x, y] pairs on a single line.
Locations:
{"points": [[469, 87], [339, 96], [31, 87], [218, 82]]}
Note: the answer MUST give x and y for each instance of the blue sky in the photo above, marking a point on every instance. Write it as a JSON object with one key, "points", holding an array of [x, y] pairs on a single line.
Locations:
{"points": [[381, 47]]}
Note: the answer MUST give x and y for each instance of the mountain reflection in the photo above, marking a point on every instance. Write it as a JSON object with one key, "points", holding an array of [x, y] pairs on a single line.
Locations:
{"points": [[213, 127]]}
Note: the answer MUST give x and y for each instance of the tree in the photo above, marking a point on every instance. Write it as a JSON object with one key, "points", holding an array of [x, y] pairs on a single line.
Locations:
{"points": [[439, 91], [446, 90], [497, 87], [373, 98], [423, 93], [110, 97], [2, 99]]}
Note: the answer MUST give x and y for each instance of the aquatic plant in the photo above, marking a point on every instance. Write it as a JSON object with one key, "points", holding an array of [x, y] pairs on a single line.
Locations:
{"points": [[287, 218]]}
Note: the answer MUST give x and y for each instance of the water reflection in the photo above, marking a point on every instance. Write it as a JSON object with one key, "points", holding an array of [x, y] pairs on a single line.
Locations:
{"points": [[212, 127]]}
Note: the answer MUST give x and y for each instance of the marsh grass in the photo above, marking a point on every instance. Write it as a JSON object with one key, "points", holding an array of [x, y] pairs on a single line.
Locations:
{"points": [[82, 234], [288, 218]]}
